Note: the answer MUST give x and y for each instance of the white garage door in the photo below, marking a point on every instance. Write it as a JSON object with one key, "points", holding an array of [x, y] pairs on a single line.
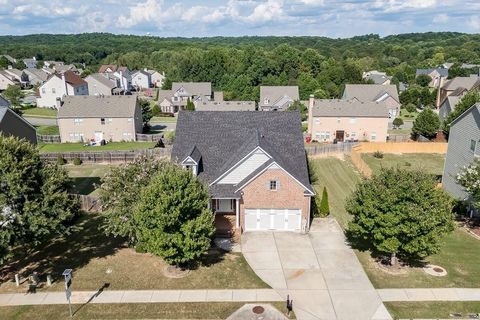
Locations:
{"points": [[273, 219]]}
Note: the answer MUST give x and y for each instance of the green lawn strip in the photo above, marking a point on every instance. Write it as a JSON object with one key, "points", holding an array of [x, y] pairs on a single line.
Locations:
{"points": [[408, 116], [40, 112], [47, 130], [79, 147], [86, 176], [432, 310], [164, 119], [426, 162], [340, 179], [458, 255], [90, 253], [189, 310]]}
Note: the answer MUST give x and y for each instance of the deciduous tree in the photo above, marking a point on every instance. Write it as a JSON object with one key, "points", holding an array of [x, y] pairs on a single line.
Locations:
{"points": [[426, 124]]}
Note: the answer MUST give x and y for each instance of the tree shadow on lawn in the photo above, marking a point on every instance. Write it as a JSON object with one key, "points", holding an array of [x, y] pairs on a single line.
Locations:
{"points": [[84, 185], [73, 251]]}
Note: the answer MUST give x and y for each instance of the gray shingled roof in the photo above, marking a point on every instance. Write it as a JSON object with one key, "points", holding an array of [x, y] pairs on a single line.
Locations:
{"points": [[225, 106], [194, 88], [4, 102], [224, 138], [38, 73], [98, 107], [442, 71], [369, 92], [349, 108], [102, 79], [377, 78], [276, 93], [462, 82]]}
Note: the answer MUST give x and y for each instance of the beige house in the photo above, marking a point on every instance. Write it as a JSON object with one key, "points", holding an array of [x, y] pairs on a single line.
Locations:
{"points": [[99, 84], [453, 86], [96, 118], [344, 120]]}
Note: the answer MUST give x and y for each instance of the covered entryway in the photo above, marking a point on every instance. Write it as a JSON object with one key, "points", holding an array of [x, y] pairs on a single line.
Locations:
{"points": [[273, 219], [340, 135]]}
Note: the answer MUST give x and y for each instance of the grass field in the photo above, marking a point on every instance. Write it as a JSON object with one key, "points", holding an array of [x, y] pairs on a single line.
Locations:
{"points": [[78, 147], [430, 310], [163, 120], [86, 176], [97, 260], [40, 112], [211, 310], [48, 130], [340, 178], [408, 116], [426, 162]]}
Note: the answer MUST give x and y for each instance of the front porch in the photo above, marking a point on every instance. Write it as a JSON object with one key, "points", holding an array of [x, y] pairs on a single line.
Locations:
{"points": [[227, 217]]}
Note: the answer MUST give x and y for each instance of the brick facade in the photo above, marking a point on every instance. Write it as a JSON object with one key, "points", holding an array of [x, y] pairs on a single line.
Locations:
{"points": [[289, 196]]}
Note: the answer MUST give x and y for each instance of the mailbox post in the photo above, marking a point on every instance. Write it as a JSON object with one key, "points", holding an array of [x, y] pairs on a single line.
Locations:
{"points": [[68, 290]]}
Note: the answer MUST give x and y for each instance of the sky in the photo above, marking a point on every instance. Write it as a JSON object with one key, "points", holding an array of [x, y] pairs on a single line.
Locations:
{"points": [[204, 18]]}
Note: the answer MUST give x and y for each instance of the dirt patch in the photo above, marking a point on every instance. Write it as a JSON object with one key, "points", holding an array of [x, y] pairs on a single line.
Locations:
{"points": [[175, 272], [296, 274], [398, 269]]}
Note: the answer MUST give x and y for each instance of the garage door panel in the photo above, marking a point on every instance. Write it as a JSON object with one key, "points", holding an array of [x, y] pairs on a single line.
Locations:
{"points": [[272, 219]]}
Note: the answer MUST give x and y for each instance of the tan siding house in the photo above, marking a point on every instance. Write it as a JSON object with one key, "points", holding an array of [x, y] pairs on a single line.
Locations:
{"points": [[96, 118]]}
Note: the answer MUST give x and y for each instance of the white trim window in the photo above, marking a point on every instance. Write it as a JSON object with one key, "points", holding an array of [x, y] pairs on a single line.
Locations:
{"points": [[373, 136], [473, 145], [353, 120], [77, 121], [127, 136], [273, 185], [130, 120]]}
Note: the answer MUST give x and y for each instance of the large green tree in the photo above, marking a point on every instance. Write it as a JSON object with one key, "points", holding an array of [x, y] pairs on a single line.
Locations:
{"points": [[34, 203], [468, 100], [300, 107], [14, 94], [400, 213], [172, 217], [146, 113], [426, 124], [120, 192]]}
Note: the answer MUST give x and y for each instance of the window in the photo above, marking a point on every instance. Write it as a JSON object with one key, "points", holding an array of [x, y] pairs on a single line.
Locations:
{"points": [[266, 101], [373, 136], [102, 120], [353, 134], [109, 120], [77, 121], [127, 136], [317, 120], [130, 120], [53, 90], [76, 136], [338, 120], [273, 185], [473, 145], [353, 120], [44, 91]]}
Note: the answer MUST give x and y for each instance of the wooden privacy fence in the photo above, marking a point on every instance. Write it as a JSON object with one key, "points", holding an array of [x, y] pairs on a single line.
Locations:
{"points": [[107, 156], [149, 137], [88, 203], [398, 138], [48, 138], [329, 149]]}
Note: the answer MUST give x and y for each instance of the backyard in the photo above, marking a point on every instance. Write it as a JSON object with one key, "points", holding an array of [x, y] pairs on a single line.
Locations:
{"points": [[47, 130], [40, 112], [79, 147], [86, 176]]}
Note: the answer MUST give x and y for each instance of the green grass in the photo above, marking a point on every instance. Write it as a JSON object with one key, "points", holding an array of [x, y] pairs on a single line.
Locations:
{"points": [[427, 162], [408, 116], [340, 178], [47, 130], [164, 119], [432, 310], [86, 176], [78, 147], [190, 310], [459, 256], [90, 253], [40, 112]]}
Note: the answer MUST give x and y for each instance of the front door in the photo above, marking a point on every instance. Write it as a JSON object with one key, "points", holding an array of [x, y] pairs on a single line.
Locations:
{"points": [[339, 135]]}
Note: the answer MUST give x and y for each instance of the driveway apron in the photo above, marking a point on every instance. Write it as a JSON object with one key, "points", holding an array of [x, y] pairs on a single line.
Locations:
{"points": [[318, 270]]}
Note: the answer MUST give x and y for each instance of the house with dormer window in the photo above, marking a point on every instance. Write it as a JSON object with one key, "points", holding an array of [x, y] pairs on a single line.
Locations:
{"points": [[172, 101], [277, 98]]}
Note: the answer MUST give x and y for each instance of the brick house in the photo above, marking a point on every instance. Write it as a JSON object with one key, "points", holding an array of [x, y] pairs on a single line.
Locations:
{"points": [[254, 165]]}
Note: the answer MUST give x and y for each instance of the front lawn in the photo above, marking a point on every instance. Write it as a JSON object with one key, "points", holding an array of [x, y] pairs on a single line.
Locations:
{"points": [[97, 259], [459, 256], [427, 162], [189, 310], [86, 176], [433, 310], [48, 130], [40, 112], [79, 147], [340, 178]]}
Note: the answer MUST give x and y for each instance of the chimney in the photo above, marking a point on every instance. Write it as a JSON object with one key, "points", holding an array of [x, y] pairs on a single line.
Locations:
{"points": [[311, 104], [58, 103]]}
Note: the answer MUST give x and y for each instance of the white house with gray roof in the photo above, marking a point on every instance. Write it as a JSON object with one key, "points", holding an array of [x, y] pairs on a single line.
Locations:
{"points": [[172, 101], [375, 93], [96, 118], [463, 149], [141, 79], [100, 84], [277, 98]]}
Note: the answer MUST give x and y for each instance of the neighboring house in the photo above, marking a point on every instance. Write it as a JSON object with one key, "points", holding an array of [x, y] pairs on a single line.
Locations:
{"points": [[469, 66], [51, 63], [20, 76], [225, 106], [458, 83], [60, 68], [110, 68], [30, 63], [99, 84], [450, 102], [377, 77], [277, 98], [347, 120], [375, 93], [172, 101], [438, 75], [157, 78], [9, 58], [96, 118], [447, 65], [6, 80], [11, 124], [122, 78], [36, 76], [254, 164], [141, 80], [463, 148], [58, 86], [4, 102]]}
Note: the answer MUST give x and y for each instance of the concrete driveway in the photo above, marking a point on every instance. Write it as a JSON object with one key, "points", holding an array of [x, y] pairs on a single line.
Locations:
{"points": [[318, 270]]}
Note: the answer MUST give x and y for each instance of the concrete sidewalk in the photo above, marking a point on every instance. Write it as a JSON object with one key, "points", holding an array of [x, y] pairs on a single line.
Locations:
{"points": [[142, 296], [430, 294]]}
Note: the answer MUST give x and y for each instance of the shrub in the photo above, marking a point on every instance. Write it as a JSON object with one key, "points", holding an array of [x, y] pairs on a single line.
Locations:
{"points": [[407, 164], [324, 206], [60, 160], [397, 122], [426, 124], [156, 110], [410, 107], [170, 136], [77, 161], [378, 154]]}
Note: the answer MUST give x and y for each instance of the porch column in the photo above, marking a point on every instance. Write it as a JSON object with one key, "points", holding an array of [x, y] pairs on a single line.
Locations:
{"points": [[237, 213]]}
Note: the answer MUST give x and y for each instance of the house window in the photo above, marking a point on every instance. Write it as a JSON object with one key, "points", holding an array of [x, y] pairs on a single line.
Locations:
{"points": [[130, 120], [53, 90], [266, 101], [373, 136], [273, 185], [317, 120], [127, 136], [473, 145], [77, 121], [353, 120], [109, 120], [353, 134], [338, 120], [44, 91], [102, 120]]}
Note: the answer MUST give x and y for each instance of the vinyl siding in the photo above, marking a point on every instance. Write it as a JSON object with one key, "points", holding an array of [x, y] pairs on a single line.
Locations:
{"points": [[248, 165]]}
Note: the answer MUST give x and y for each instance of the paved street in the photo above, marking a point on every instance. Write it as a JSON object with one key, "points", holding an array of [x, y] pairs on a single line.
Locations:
{"points": [[319, 271]]}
